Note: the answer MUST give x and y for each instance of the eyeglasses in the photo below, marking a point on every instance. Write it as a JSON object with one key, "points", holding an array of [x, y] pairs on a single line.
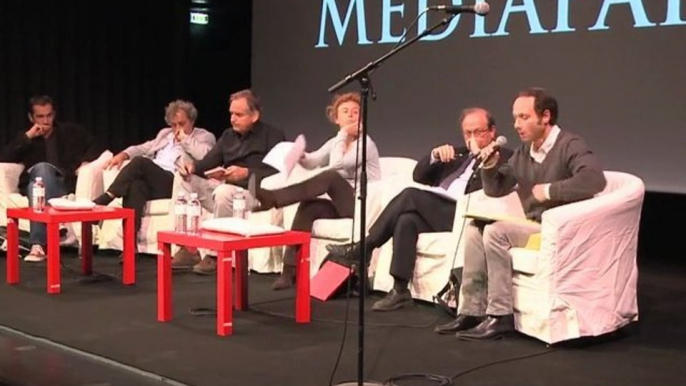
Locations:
{"points": [[475, 133]]}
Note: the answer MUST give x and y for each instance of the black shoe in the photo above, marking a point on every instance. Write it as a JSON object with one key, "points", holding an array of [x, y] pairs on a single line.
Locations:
{"points": [[104, 199], [343, 250], [286, 279], [461, 323], [393, 301], [493, 327]]}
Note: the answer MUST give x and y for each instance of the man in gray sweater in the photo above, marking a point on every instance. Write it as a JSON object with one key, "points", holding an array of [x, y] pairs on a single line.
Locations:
{"points": [[550, 169]]}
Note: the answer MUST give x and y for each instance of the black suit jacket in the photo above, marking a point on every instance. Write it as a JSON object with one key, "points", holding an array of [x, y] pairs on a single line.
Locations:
{"points": [[432, 174], [74, 143]]}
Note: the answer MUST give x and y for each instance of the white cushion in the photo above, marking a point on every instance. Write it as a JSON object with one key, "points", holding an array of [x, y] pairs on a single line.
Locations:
{"points": [[240, 226], [67, 204], [524, 260], [333, 229], [435, 244]]}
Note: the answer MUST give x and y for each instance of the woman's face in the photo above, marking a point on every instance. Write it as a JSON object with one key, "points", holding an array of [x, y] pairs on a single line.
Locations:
{"points": [[348, 116]]}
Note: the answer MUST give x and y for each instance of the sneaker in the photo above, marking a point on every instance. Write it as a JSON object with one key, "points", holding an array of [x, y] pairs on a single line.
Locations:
{"points": [[36, 255], [184, 259], [207, 266]]}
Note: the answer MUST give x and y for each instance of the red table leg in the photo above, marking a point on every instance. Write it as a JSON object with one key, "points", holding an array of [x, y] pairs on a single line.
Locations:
{"points": [[241, 279], [129, 263], [87, 248], [54, 285], [12, 251], [302, 285], [164, 275], [224, 293]]}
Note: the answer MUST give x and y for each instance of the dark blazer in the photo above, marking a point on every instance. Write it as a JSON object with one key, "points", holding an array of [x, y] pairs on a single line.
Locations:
{"points": [[432, 174], [75, 145]]}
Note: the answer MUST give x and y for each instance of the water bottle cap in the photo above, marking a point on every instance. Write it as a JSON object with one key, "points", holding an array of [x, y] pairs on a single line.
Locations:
{"points": [[239, 190], [194, 195], [181, 194], [39, 179]]}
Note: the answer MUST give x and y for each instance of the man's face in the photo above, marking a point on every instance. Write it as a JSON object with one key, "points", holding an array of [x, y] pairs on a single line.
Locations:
{"points": [[242, 118], [528, 124], [348, 116], [43, 115], [476, 132], [180, 122]]}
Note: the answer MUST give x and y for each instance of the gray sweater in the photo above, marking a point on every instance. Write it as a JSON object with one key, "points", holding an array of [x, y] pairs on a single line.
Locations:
{"points": [[333, 154], [570, 167]]}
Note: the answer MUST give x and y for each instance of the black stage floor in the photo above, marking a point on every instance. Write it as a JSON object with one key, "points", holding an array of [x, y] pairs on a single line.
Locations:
{"points": [[114, 339]]}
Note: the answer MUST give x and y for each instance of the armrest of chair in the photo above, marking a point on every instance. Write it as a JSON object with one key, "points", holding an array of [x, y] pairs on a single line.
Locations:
{"points": [[89, 183], [109, 175], [9, 178], [590, 237]]}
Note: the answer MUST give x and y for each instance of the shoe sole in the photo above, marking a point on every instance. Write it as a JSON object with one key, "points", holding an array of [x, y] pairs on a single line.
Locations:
{"points": [[496, 337], [396, 307], [203, 273]]}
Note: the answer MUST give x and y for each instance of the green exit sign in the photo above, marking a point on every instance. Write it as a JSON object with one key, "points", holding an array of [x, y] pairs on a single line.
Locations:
{"points": [[199, 18]]}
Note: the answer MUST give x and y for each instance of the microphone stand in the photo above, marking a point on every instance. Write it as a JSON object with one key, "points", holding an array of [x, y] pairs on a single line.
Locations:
{"points": [[362, 76]]}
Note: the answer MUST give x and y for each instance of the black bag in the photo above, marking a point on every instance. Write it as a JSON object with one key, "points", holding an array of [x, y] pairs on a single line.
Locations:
{"points": [[450, 294]]}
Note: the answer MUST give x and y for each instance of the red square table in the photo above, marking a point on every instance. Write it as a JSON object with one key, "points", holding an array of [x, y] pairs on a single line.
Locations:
{"points": [[52, 218], [225, 245]]}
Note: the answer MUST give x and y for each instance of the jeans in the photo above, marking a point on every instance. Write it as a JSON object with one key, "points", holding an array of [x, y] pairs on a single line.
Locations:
{"points": [[54, 187]]}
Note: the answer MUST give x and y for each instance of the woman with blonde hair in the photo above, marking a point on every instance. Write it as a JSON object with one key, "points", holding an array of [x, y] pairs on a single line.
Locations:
{"points": [[340, 157]]}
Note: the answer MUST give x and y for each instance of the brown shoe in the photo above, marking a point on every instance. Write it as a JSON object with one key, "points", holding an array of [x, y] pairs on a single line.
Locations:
{"points": [[183, 259], [207, 266], [286, 279]]}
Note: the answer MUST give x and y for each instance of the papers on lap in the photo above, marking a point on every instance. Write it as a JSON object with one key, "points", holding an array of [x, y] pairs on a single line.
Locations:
{"points": [[507, 208], [285, 155]]}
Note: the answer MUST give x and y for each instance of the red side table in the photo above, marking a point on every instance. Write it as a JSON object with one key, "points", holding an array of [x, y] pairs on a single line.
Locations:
{"points": [[52, 218], [225, 245]]}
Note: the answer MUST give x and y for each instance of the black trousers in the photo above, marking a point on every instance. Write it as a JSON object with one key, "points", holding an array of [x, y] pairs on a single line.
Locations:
{"points": [[410, 213], [139, 181], [311, 208]]}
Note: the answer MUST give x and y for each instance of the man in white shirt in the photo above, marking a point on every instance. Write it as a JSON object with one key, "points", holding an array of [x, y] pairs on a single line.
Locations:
{"points": [[450, 170], [150, 174]]}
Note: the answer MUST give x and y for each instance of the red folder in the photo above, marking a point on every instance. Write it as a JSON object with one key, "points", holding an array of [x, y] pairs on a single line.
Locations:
{"points": [[329, 278]]}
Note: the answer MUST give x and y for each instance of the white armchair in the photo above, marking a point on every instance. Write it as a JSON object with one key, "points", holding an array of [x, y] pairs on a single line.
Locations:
{"points": [[582, 280], [88, 185]]}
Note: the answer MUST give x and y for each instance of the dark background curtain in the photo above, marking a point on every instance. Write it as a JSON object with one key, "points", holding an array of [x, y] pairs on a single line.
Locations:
{"points": [[114, 65]]}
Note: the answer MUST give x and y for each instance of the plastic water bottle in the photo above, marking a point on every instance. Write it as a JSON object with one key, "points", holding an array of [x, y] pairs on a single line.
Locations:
{"points": [[38, 203], [193, 214], [239, 204], [180, 213]]}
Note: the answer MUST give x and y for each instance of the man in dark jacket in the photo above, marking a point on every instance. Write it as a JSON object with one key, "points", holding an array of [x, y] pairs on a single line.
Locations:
{"points": [[451, 170], [50, 150]]}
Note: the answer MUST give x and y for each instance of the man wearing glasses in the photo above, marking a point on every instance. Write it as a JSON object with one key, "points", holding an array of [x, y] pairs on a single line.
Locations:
{"points": [[450, 170]]}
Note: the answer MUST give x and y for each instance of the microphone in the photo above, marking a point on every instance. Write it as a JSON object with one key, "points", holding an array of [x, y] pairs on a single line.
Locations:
{"points": [[480, 8], [499, 142]]}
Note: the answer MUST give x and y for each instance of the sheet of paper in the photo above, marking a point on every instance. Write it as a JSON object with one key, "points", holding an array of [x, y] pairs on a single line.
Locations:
{"points": [[285, 155]]}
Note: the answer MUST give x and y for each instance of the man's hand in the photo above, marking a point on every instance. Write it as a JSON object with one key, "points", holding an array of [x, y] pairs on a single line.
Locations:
{"points": [[444, 153], [489, 156], [186, 170], [539, 193], [179, 135], [236, 173], [117, 160], [35, 131]]}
